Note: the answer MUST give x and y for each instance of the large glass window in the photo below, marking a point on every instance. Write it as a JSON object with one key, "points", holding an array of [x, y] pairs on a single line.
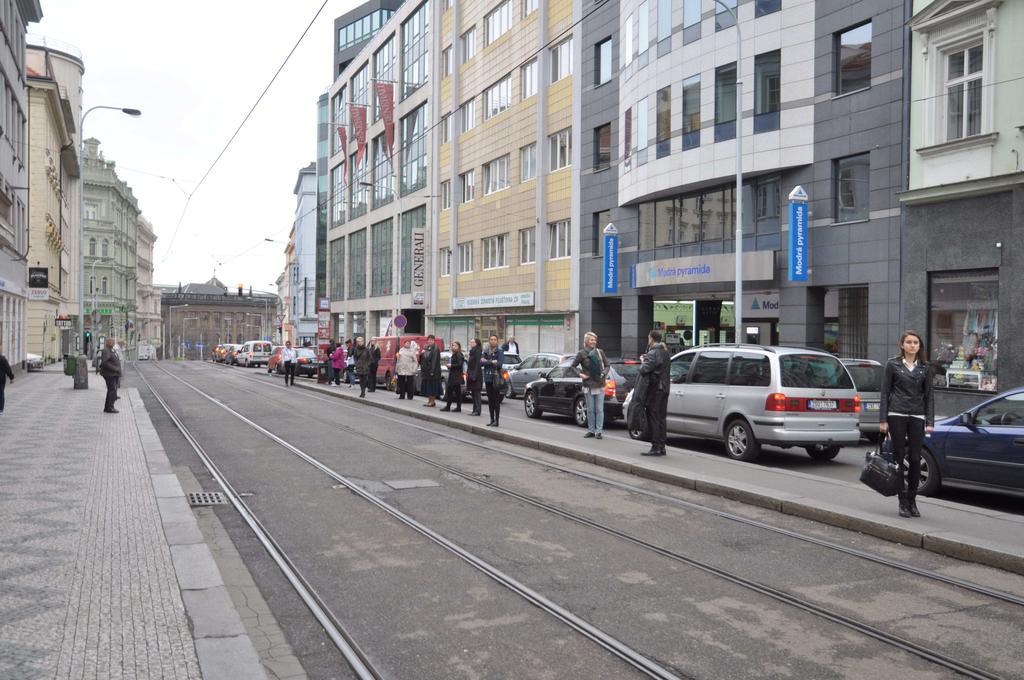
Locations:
{"points": [[725, 102], [663, 124], [626, 55], [527, 245], [852, 188], [643, 27], [415, 50], [383, 175], [528, 79], [691, 21], [963, 92], [497, 23], [412, 219], [496, 175], [358, 189], [495, 251], [414, 150], [691, 112], [383, 69], [357, 265], [361, 88], [561, 60], [603, 146], [853, 59], [338, 195], [381, 255], [964, 329], [337, 269], [498, 97], [527, 163], [603, 61], [559, 239], [561, 149], [664, 19], [767, 91]]}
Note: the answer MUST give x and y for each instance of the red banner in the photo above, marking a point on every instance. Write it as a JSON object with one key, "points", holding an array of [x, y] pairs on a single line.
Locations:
{"points": [[386, 97], [628, 133], [359, 125]]}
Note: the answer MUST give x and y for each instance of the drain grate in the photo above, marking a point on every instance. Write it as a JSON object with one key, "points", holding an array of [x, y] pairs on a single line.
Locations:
{"points": [[201, 498]]}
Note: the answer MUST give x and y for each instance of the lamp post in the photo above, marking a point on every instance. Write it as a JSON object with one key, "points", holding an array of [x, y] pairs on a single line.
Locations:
{"points": [[737, 306], [81, 212], [92, 278]]}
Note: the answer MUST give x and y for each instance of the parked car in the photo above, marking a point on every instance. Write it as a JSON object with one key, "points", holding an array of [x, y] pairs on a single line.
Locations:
{"points": [[275, 357], [530, 369], [146, 351], [867, 378], [33, 362], [750, 395], [215, 353], [560, 390], [231, 354], [255, 353], [981, 448], [305, 359]]}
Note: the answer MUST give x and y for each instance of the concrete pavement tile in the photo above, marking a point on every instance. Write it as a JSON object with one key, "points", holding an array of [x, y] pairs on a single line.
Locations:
{"points": [[195, 567], [228, 659], [174, 510], [182, 533], [973, 549], [212, 613], [167, 486]]}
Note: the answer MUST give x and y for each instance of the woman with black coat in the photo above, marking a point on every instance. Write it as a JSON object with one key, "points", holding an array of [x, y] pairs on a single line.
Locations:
{"points": [[907, 411], [363, 358], [453, 390], [474, 376], [493, 359]]}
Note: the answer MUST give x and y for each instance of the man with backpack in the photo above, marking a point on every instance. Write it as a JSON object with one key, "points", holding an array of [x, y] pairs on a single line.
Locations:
{"points": [[592, 365]]}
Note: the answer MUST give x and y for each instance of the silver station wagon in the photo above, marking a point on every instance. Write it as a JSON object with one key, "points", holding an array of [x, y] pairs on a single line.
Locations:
{"points": [[750, 395]]}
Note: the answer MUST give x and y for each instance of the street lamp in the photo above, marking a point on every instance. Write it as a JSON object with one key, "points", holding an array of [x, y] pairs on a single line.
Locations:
{"points": [[81, 211]]}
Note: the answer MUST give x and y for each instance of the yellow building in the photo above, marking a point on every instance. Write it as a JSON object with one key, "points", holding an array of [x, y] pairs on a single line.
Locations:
{"points": [[148, 323]]}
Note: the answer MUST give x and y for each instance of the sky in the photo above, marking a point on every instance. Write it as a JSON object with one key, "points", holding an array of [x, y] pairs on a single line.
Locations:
{"points": [[194, 68]]}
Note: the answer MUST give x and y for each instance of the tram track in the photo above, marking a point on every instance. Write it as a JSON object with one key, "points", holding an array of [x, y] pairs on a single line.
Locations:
{"points": [[779, 595]]}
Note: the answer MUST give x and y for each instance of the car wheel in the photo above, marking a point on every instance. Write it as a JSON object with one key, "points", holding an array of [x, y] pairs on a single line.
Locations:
{"points": [[820, 452], [579, 412], [530, 405], [931, 478], [740, 443]]}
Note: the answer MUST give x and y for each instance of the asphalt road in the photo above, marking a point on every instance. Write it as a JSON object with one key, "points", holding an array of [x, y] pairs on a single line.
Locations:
{"points": [[421, 613]]}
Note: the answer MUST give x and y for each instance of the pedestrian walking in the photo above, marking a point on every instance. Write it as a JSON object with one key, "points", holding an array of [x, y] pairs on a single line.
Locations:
{"points": [[493, 360], [350, 363], [592, 366], [430, 369], [474, 374], [907, 412], [110, 369], [374, 350], [656, 368], [510, 346], [337, 365], [288, 357], [456, 368], [405, 366], [362, 357], [5, 373], [330, 362]]}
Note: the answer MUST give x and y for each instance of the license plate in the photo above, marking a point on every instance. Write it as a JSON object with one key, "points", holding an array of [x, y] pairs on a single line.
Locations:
{"points": [[822, 404], [870, 405]]}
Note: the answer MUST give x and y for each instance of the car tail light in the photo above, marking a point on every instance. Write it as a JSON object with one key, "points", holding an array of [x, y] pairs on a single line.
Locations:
{"points": [[609, 388], [776, 402], [504, 374]]}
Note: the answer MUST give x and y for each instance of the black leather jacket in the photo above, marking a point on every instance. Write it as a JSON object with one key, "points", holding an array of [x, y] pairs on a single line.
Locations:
{"points": [[656, 368], [908, 392]]}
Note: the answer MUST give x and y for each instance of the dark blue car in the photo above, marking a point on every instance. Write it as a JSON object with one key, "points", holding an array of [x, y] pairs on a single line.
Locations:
{"points": [[982, 448]]}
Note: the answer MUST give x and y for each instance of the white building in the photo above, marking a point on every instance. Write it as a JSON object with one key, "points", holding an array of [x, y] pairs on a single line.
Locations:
{"points": [[302, 288]]}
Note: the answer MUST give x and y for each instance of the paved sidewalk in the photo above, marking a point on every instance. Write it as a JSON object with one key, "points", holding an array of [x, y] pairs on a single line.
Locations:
{"points": [[957, 530], [98, 546]]}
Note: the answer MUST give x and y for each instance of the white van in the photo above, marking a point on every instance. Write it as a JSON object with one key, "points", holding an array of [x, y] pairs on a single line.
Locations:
{"points": [[255, 353], [146, 351]]}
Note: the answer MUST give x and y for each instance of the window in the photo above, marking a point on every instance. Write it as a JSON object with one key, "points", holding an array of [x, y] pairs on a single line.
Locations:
{"points": [[600, 221], [414, 150], [381, 256], [853, 59], [852, 188], [415, 50], [723, 19], [446, 194], [383, 176], [561, 60], [496, 175], [1005, 412], [767, 91], [559, 240], [691, 113], [338, 195], [468, 42], [766, 199], [446, 128], [383, 69], [765, 7], [963, 327], [468, 182], [527, 245], [725, 102], [750, 370], [691, 21], [465, 257], [679, 368], [357, 265], [529, 7], [627, 42], [103, 286], [643, 27], [813, 371], [664, 19], [496, 251], [92, 247], [497, 23], [361, 87], [561, 149], [603, 59], [446, 62], [498, 97], [528, 79], [106, 248], [603, 147], [710, 368], [527, 162], [467, 113], [358, 189], [92, 285], [336, 262], [663, 124], [446, 261], [642, 123], [963, 93]]}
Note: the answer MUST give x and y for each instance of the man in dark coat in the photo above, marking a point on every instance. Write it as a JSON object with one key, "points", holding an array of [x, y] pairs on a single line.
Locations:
{"points": [[5, 373], [474, 374], [656, 369], [374, 350], [430, 367], [110, 369], [362, 355]]}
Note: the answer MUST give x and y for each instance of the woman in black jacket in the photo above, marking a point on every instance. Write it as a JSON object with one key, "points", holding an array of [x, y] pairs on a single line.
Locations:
{"points": [[907, 411], [474, 376], [453, 390], [493, 359]]}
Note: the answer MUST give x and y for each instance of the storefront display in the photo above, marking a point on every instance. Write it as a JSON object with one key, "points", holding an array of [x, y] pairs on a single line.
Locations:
{"points": [[964, 329]]}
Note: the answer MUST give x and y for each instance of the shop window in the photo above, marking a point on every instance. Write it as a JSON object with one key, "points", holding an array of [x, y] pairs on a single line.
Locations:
{"points": [[963, 329]]}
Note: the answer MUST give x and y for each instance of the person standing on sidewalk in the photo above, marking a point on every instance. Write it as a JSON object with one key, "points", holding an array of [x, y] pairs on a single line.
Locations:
{"points": [[5, 373], [110, 369], [592, 365], [907, 411], [511, 346], [430, 368], [405, 367], [453, 390], [656, 368], [374, 350], [493, 363], [362, 356], [474, 376], [288, 359], [337, 364], [330, 362], [350, 363]]}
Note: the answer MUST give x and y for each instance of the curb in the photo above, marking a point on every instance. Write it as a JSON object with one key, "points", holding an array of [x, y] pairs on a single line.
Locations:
{"points": [[224, 649], [949, 544]]}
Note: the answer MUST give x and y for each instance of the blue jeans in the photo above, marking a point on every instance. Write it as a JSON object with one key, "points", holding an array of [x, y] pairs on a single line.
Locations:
{"points": [[595, 412]]}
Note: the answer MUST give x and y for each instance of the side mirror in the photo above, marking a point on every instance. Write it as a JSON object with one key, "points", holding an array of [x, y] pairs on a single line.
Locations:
{"points": [[544, 375], [966, 419]]}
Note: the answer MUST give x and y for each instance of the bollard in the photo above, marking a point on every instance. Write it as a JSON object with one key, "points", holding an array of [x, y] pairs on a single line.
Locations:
{"points": [[82, 372]]}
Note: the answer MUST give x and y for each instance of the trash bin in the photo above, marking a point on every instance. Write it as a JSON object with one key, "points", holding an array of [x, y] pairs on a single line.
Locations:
{"points": [[321, 373], [69, 365]]}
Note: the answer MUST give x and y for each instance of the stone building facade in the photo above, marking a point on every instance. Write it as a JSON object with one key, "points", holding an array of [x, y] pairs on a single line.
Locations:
{"points": [[198, 316]]}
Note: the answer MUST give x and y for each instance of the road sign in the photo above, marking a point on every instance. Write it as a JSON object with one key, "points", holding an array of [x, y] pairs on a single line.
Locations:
{"points": [[63, 324], [400, 321], [798, 234], [611, 260]]}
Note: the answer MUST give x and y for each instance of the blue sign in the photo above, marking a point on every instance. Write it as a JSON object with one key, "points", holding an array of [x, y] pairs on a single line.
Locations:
{"points": [[200, 345], [798, 235], [611, 260]]}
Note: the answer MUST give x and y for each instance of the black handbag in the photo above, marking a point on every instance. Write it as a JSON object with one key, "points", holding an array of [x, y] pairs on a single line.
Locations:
{"points": [[880, 472]]}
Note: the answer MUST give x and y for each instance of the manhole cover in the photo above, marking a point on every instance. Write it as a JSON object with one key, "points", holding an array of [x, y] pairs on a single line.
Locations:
{"points": [[200, 498]]}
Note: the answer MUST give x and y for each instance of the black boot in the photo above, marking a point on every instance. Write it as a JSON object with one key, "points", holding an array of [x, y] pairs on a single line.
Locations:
{"points": [[904, 504], [912, 505], [447, 407]]}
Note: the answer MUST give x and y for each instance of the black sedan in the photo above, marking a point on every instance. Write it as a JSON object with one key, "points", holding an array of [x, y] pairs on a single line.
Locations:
{"points": [[305, 363], [531, 367], [560, 391]]}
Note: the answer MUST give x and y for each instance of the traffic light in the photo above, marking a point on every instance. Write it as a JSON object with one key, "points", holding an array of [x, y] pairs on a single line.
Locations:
{"points": [[88, 336]]}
